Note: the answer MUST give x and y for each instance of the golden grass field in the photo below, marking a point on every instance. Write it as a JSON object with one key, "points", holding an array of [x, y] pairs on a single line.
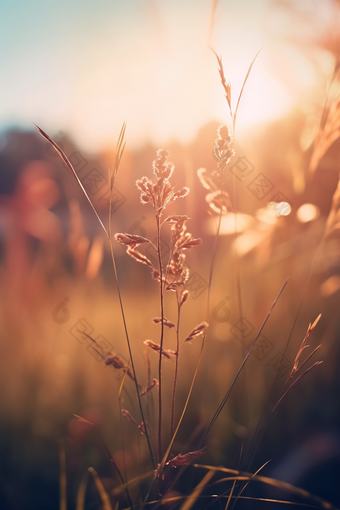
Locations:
{"points": [[170, 315], [48, 375]]}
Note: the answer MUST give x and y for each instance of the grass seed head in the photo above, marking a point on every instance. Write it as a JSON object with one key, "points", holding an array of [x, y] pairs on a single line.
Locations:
{"points": [[161, 193], [197, 331], [130, 240], [129, 416], [186, 459], [158, 320], [223, 151], [157, 348], [149, 387]]}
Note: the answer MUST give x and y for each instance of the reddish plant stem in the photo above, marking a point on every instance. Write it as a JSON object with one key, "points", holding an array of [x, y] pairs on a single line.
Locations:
{"points": [[162, 337], [176, 367], [148, 365]]}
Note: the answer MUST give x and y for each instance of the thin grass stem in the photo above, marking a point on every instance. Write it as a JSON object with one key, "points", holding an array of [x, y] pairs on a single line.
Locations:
{"points": [[176, 368], [125, 325], [226, 396], [270, 394], [159, 252]]}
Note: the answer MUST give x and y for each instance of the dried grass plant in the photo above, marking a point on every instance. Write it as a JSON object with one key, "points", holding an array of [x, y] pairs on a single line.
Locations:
{"points": [[160, 193]]}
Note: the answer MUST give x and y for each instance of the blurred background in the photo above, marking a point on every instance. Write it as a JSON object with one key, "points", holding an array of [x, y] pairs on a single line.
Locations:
{"points": [[79, 70]]}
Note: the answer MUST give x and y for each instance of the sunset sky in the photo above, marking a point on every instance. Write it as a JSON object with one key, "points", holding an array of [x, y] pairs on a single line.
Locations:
{"points": [[86, 67]]}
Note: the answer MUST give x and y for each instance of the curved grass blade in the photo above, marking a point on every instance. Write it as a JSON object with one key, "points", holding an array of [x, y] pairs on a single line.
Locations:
{"points": [[226, 85], [100, 487], [242, 89], [119, 153], [83, 420], [230, 495], [317, 363], [226, 396], [233, 487], [70, 167], [270, 481], [308, 358], [118, 156], [192, 498], [244, 487], [133, 481], [247, 498], [271, 391]]}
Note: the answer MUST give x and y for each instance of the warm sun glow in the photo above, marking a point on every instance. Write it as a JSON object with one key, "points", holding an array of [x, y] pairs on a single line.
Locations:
{"points": [[158, 74]]}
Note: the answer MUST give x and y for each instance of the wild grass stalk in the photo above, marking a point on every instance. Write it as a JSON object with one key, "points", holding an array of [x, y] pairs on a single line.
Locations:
{"points": [[225, 155], [161, 297], [173, 403], [173, 277], [227, 394], [82, 487], [330, 224], [316, 157], [161, 194], [326, 135], [287, 487], [118, 156], [106, 504]]}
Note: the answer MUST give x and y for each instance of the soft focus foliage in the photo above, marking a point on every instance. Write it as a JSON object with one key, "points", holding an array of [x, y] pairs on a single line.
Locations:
{"points": [[63, 350]]}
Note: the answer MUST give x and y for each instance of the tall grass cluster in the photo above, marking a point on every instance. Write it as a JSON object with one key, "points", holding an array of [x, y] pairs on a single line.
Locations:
{"points": [[161, 467]]}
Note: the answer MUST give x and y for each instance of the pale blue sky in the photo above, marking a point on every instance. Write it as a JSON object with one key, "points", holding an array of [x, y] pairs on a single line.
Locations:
{"points": [[87, 66]]}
